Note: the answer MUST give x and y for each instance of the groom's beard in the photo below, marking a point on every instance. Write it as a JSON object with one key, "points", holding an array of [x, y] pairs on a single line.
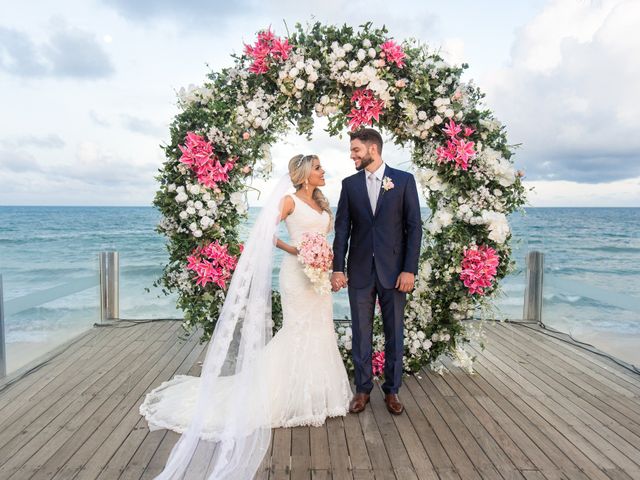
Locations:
{"points": [[366, 161]]}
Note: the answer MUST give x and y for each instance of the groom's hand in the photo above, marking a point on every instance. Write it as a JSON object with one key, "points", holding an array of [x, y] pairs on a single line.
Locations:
{"points": [[405, 282], [338, 281]]}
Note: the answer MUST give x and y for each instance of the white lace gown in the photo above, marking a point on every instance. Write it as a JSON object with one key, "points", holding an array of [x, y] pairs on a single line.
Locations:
{"points": [[302, 364]]}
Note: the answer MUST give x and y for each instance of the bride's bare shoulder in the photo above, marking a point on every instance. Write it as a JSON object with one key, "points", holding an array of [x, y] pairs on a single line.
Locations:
{"points": [[288, 206]]}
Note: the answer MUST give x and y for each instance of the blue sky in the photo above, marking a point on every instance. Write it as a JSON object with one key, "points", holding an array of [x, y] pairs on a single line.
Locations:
{"points": [[87, 88]]}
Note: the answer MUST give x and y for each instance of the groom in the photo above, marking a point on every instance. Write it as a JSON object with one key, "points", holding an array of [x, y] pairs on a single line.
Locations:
{"points": [[378, 220]]}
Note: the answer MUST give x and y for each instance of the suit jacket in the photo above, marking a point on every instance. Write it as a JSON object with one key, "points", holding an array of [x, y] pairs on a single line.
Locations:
{"points": [[390, 237]]}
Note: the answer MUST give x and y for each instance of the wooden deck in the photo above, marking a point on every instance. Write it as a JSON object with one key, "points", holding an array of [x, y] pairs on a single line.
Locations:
{"points": [[536, 408]]}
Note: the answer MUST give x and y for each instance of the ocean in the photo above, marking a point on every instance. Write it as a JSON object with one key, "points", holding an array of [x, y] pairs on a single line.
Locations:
{"points": [[592, 269]]}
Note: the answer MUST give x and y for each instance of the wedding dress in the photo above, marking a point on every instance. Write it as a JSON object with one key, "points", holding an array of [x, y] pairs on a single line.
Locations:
{"points": [[297, 378]]}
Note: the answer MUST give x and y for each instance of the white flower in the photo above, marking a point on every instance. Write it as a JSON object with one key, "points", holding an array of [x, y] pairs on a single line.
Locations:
{"points": [[498, 225], [171, 187], [193, 226], [194, 189], [294, 72], [361, 54], [347, 47], [197, 233], [183, 215], [191, 210], [442, 218], [198, 204], [372, 52], [181, 197], [366, 43], [237, 199], [387, 184]]}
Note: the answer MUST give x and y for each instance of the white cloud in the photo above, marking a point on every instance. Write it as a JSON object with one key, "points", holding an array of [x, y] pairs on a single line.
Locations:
{"points": [[622, 193], [570, 95]]}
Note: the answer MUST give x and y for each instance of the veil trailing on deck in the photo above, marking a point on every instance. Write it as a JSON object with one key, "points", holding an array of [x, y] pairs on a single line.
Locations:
{"points": [[235, 447]]}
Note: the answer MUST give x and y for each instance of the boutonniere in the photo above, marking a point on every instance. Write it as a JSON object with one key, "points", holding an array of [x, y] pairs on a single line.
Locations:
{"points": [[387, 184]]}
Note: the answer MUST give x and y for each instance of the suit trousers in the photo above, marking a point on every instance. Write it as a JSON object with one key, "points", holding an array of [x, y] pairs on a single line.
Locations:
{"points": [[392, 303]]}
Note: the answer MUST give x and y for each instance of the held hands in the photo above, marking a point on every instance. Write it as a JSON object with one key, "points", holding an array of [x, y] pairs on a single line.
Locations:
{"points": [[338, 281], [405, 282]]}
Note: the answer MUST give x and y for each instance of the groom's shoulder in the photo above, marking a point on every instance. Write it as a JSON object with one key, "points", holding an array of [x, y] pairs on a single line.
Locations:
{"points": [[352, 178]]}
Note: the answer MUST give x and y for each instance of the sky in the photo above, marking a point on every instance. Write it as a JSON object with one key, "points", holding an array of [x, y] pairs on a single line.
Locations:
{"points": [[88, 89]]}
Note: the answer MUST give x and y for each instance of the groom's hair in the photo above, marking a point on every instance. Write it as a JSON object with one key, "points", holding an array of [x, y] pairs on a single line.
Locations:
{"points": [[368, 136]]}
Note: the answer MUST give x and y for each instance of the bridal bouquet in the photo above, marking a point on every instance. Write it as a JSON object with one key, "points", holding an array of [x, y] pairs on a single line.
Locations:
{"points": [[315, 254]]}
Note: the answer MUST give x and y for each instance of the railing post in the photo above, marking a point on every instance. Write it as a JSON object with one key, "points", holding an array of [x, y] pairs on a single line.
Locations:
{"points": [[109, 286], [3, 350], [533, 287]]}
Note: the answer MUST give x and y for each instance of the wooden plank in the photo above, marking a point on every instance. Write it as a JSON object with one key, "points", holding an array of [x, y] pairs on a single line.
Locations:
{"points": [[436, 453], [542, 426], [105, 438], [340, 465], [466, 438], [398, 456], [512, 441], [54, 384], [611, 397], [300, 453], [599, 428], [320, 458], [580, 357], [12, 388], [461, 462], [281, 458], [53, 413], [357, 445], [85, 407]]}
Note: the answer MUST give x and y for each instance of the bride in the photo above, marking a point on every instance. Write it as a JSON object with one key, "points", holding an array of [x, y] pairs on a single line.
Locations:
{"points": [[251, 382]]}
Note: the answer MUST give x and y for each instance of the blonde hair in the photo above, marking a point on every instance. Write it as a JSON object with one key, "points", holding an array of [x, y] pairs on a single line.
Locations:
{"points": [[299, 170]]}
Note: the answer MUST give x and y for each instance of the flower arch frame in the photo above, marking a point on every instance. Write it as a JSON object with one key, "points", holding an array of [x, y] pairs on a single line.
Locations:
{"points": [[220, 140]]}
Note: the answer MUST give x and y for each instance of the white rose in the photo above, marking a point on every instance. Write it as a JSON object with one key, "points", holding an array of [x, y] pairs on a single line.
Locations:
{"points": [[191, 210], [171, 187], [437, 119], [202, 212], [347, 47], [198, 204], [361, 54], [366, 43], [181, 197], [206, 197], [183, 215], [294, 72], [422, 115], [372, 52], [193, 226], [197, 233], [300, 83]]}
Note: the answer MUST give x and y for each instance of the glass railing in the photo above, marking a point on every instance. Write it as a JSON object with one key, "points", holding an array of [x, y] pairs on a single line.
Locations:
{"points": [[36, 323]]}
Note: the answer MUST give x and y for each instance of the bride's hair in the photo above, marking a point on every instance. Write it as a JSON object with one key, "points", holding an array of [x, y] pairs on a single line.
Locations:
{"points": [[299, 170]]}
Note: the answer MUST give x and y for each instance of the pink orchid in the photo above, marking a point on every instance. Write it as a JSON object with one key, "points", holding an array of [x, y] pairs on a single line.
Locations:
{"points": [[268, 48], [393, 53], [366, 108], [212, 264], [199, 155], [479, 267], [377, 363], [457, 150], [451, 130]]}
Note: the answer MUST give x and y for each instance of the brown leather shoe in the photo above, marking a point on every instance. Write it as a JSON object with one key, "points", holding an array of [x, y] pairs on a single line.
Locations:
{"points": [[358, 402], [393, 403]]}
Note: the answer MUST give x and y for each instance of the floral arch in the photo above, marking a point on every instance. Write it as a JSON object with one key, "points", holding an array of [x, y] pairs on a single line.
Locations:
{"points": [[220, 140]]}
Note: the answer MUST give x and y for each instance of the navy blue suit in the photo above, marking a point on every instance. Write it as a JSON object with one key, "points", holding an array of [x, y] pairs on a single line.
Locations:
{"points": [[381, 245]]}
